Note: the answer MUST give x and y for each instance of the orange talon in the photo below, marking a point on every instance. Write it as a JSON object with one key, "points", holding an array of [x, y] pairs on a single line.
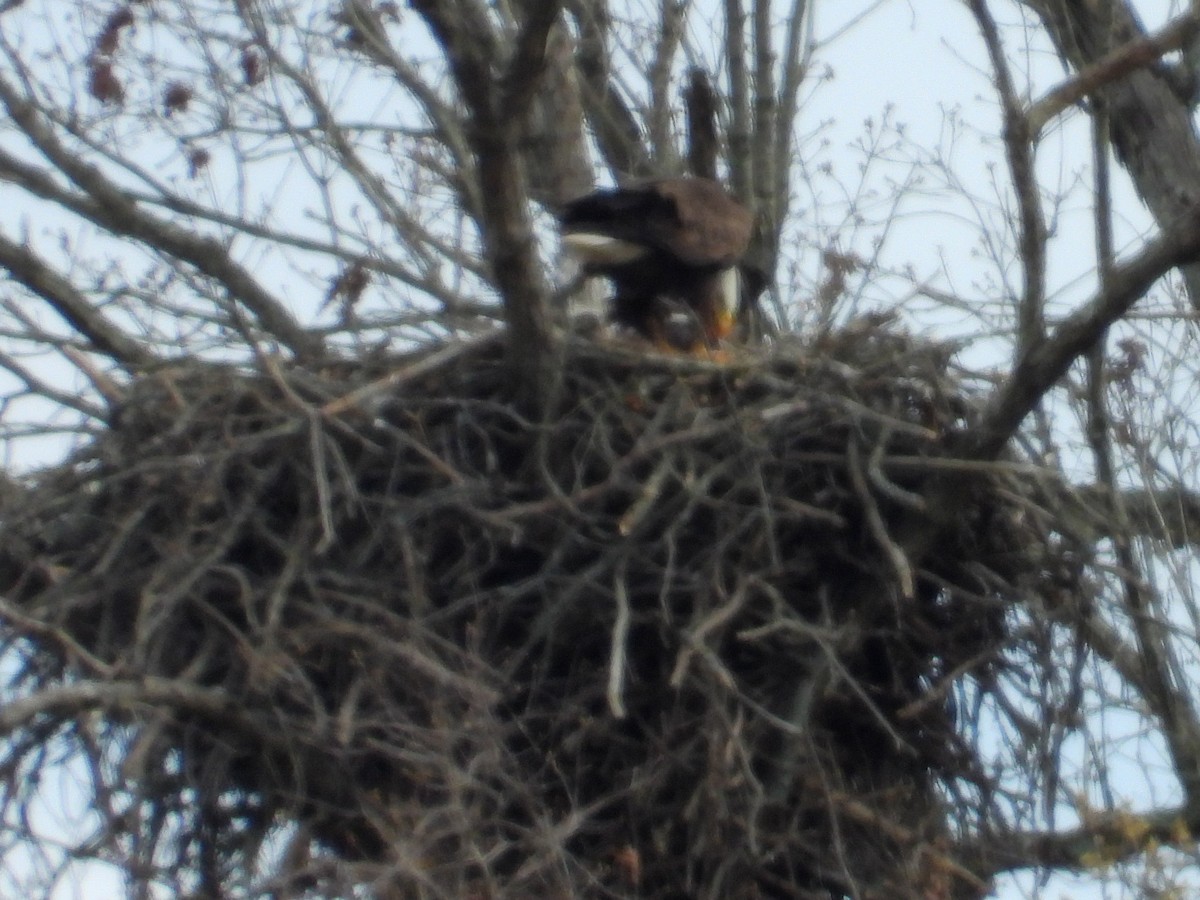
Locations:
{"points": [[724, 325]]}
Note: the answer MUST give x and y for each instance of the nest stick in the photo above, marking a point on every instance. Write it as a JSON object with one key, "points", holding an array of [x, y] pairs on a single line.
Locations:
{"points": [[895, 555], [616, 660]]}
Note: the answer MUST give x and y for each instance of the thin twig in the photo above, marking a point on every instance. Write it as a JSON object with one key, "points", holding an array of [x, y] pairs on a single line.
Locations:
{"points": [[615, 688], [878, 528]]}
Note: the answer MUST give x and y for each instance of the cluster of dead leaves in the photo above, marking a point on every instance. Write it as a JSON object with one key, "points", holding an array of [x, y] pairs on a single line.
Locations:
{"points": [[105, 85]]}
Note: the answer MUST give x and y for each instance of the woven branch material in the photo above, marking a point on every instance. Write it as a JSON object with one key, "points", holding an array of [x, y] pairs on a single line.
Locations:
{"points": [[662, 645]]}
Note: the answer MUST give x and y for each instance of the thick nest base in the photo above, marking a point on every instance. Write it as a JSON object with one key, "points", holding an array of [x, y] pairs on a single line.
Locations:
{"points": [[664, 643]]}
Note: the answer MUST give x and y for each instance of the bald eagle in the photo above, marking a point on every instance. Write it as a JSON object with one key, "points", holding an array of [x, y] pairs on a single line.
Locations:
{"points": [[667, 245]]}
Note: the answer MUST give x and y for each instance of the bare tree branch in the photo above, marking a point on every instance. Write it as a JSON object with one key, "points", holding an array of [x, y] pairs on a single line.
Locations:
{"points": [[87, 696], [1041, 366], [1114, 65], [72, 305], [1158, 660], [526, 68], [672, 22], [766, 110], [703, 143], [1104, 839], [112, 208], [1018, 144], [558, 164], [794, 68], [618, 135], [507, 236], [1152, 125], [740, 133]]}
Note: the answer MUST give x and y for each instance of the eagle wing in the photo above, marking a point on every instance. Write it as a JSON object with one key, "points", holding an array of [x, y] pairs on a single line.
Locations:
{"points": [[708, 226], [693, 220]]}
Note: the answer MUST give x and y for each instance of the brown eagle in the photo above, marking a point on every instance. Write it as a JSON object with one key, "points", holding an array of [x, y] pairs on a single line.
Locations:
{"points": [[667, 245]]}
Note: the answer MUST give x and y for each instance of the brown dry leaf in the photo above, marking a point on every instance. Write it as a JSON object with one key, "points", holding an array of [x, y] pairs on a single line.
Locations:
{"points": [[103, 83]]}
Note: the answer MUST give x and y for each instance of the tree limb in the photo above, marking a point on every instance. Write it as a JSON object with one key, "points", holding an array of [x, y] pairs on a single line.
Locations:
{"points": [[672, 21], [766, 110], [78, 311], [558, 165], [1041, 366], [507, 236], [1105, 838], [1018, 149], [741, 161], [1113, 66], [618, 135], [114, 209], [700, 101], [526, 69], [1152, 127]]}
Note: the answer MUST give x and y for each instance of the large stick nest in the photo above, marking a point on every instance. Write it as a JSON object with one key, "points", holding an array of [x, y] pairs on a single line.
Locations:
{"points": [[665, 643]]}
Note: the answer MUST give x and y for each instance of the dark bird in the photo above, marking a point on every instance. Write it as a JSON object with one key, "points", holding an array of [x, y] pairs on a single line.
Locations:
{"points": [[667, 245]]}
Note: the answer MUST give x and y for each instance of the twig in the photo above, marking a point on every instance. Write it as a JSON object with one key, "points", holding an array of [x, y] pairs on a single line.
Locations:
{"points": [[878, 528], [20, 622], [1040, 367], [105, 386], [358, 398], [78, 310], [1018, 148], [882, 483], [110, 207], [620, 635], [694, 639], [645, 500], [316, 443]]}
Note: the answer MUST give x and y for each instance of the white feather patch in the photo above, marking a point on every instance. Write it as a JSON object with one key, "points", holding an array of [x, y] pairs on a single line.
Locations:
{"points": [[600, 249], [731, 289]]}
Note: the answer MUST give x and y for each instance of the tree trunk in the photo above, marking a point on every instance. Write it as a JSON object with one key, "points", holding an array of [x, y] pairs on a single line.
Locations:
{"points": [[1152, 128]]}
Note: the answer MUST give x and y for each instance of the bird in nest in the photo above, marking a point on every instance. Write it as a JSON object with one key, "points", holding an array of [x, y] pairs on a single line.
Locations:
{"points": [[672, 248]]}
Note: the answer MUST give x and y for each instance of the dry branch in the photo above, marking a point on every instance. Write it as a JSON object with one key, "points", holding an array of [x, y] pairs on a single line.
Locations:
{"points": [[700, 102], [76, 309], [1042, 365], [108, 206], [497, 94], [1019, 152], [1115, 65], [1151, 121], [618, 135]]}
